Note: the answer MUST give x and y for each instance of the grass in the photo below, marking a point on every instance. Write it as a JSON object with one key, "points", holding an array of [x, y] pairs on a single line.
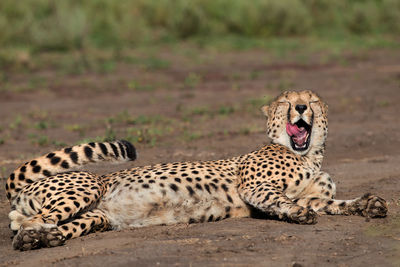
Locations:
{"points": [[191, 135], [198, 111], [149, 63], [16, 123], [38, 125], [143, 135], [329, 49], [40, 140], [226, 110], [192, 80], [109, 135], [80, 129], [97, 35], [3, 172], [136, 86], [41, 125], [383, 103], [102, 60], [65, 25], [124, 117], [251, 106], [151, 130], [144, 129]]}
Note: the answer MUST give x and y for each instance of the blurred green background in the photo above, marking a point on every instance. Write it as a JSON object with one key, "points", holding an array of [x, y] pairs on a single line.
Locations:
{"points": [[47, 25]]}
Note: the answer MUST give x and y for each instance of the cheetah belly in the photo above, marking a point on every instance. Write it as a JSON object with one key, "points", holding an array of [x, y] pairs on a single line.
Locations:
{"points": [[127, 208]]}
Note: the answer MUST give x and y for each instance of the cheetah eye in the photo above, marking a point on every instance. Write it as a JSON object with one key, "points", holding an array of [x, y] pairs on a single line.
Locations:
{"points": [[284, 102]]}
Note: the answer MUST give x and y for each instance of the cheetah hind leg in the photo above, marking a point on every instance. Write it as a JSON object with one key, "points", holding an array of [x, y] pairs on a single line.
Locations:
{"points": [[57, 209]]}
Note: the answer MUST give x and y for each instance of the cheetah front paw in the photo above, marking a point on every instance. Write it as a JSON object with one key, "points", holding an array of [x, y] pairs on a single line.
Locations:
{"points": [[303, 216], [375, 207], [30, 238]]}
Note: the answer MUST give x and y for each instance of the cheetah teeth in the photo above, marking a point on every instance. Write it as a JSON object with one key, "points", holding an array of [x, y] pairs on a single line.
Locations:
{"points": [[302, 146]]}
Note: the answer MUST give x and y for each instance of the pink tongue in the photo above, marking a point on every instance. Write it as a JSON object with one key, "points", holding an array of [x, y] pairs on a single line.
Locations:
{"points": [[299, 134]]}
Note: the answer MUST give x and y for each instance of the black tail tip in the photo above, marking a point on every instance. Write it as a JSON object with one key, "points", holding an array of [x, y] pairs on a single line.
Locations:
{"points": [[130, 149]]}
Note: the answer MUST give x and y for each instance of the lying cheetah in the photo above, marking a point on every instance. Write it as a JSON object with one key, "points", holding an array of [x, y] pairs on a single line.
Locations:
{"points": [[52, 202]]}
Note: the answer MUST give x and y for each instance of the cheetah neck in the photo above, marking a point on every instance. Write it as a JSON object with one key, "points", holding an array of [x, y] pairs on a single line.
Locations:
{"points": [[316, 155]]}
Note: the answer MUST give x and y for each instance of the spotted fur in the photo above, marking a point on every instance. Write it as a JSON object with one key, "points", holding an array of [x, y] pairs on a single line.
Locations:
{"points": [[52, 202]]}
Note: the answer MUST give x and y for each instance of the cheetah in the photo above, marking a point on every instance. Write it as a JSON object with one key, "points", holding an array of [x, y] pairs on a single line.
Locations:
{"points": [[53, 201]]}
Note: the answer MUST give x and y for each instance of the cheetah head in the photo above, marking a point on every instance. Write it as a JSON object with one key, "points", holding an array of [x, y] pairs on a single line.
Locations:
{"points": [[297, 120]]}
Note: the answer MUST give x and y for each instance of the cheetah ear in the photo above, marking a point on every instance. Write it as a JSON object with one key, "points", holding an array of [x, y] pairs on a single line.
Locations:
{"points": [[264, 110]]}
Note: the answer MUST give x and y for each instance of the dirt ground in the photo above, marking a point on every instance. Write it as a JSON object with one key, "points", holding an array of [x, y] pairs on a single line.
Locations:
{"points": [[208, 108]]}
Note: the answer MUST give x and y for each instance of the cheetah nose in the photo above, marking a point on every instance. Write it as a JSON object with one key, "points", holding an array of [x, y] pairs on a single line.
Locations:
{"points": [[301, 108]]}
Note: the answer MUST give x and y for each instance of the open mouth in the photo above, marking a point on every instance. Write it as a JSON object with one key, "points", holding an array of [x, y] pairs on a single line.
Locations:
{"points": [[299, 133]]}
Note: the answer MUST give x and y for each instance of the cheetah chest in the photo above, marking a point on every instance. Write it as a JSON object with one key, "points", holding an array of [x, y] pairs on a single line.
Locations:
{"points": [[278, 167]]}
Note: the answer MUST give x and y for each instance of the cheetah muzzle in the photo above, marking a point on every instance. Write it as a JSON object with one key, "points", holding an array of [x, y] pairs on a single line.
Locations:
{"points": [[51, 202], [300, 134]]}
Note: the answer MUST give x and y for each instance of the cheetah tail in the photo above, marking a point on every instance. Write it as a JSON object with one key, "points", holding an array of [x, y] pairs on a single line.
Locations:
{"points": [[68, 159]]}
